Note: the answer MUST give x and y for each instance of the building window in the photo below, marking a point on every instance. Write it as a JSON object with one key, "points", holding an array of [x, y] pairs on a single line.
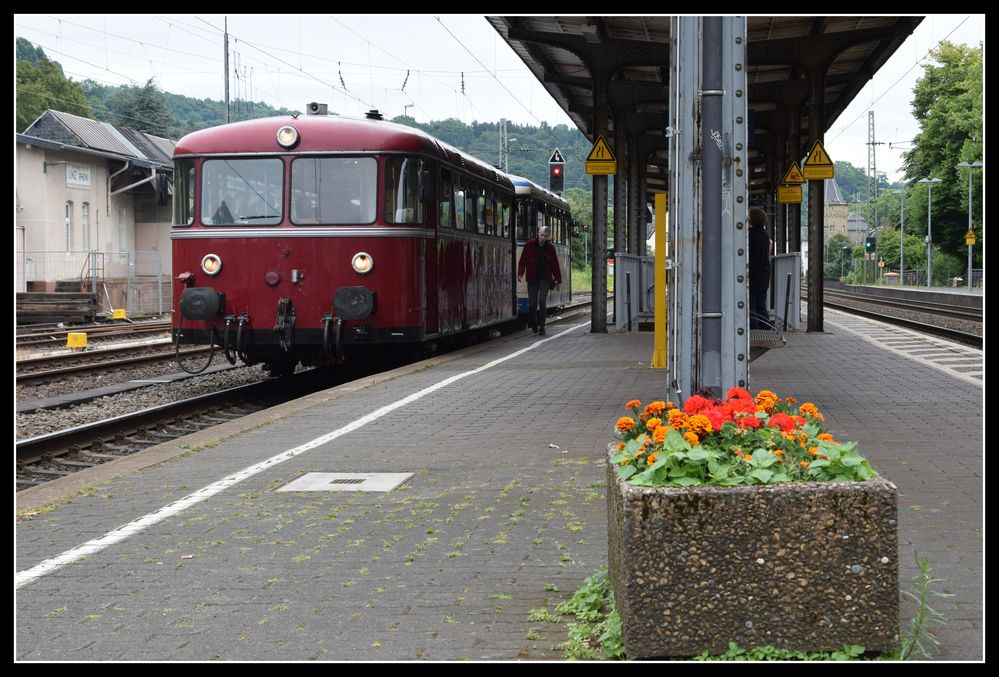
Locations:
{"points": [[85, 224], [69, 226]]}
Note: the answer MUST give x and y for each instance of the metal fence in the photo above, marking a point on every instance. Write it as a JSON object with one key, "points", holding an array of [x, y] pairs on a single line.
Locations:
{"points": [[785, 290], [133, 281], [634, 286]]}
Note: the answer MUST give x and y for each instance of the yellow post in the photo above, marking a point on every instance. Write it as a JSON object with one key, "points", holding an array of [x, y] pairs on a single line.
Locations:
{"points": [[659, 351], [76, 340]]}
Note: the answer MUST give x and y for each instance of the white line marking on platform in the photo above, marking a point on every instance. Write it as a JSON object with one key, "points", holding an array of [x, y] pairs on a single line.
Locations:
{"points": [[22, 578], [915, 358]]}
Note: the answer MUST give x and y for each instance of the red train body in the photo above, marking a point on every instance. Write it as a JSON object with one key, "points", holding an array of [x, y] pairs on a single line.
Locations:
{"points": [[301, 239]]}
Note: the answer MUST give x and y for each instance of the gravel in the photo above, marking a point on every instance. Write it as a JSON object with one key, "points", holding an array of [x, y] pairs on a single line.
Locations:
{"points": [[41, 422]]}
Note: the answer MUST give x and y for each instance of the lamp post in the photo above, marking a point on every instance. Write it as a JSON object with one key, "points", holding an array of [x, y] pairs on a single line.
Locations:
{"points": [[929, 227], [970, 166], [901, 238], [842, 258]]}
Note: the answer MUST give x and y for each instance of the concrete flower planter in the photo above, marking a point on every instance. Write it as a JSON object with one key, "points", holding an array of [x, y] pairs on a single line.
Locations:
{"points": [[800, 566]]}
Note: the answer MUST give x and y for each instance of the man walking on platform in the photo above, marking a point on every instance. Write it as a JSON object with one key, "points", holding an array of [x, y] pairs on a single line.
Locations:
{"points": [[539, 262]]}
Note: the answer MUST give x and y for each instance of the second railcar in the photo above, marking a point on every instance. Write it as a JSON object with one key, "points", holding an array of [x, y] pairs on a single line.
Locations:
{"points": [[534, 207]]}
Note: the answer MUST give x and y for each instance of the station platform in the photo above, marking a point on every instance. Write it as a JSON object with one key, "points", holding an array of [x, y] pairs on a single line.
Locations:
{"points": [[191, 551]]}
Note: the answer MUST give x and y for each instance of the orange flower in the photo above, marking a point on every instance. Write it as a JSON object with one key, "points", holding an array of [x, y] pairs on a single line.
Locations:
{"points": [[699, 424], [691, 438], [659, 436], [632, 404], [825, 437], [651, 459], [655, 408], [804, 464], [653, 423], [677, 419], [620, 445], [809, 409], [766, 400], [779, 452], [747, 458], [625, 423], [670, 405], [813, 451]]}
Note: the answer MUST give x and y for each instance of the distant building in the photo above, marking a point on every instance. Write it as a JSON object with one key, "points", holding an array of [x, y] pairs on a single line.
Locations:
{"points": [[856, 228], [90, 196], [836, 212]]}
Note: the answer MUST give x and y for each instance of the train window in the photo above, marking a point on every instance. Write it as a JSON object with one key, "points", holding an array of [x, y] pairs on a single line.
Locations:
{"points": [[403, 194], [504, 217], [241, 191], [459, 207], [471, 198], [445, 213], [523, 219], [341, 190], [183, 192], [487, 223]]}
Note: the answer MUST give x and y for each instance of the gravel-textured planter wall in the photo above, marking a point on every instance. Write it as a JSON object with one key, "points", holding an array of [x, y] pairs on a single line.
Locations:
{"points": [[802, 566]]}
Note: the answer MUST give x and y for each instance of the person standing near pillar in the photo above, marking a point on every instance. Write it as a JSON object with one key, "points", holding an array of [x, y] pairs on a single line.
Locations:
{"points": [[760, 246], [540, 263]]}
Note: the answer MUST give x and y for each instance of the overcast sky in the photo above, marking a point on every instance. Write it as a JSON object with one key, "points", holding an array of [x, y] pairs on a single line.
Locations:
{"points": [[430, 67]]}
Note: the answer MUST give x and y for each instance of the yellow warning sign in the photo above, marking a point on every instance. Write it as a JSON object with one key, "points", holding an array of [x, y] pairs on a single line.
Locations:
{"points": [[789, 195], [818, 165], [601, 159], [793, 175], [969, 238]]}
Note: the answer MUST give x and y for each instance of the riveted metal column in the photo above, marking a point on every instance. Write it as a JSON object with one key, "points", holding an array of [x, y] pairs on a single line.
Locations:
{"points": [[598, 261], [620, 190], [794, 155], [711, 167], [816, 205], [780, 221], [636, 208], [696, 361]]}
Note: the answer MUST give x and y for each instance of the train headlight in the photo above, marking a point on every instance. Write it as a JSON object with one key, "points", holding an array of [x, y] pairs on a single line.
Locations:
{"points": [[362, 262], [211, 264], [287, 137]]}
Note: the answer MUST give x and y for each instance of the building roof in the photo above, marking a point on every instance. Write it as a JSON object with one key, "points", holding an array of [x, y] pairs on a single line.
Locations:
{"points": [[834, 196], [102, 138]]}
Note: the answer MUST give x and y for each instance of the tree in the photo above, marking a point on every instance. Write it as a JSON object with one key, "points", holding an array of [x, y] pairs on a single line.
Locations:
{"points": [[143, 109], [41, 85], [948, 104]]}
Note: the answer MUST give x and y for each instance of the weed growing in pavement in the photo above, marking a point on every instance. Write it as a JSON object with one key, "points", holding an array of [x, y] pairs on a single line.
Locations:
{"points": [[597, 634]]}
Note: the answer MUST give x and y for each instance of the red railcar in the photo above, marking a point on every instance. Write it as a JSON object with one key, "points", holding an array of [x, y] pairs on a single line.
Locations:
{"points": [[303, 239]]}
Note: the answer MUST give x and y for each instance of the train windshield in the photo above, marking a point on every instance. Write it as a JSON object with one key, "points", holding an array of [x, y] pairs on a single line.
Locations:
{"points": [[339, 190], [183, 192], [244, 191]]}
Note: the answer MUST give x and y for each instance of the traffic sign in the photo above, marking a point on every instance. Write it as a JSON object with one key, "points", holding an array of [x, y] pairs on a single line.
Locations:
{"points": [[601, 159], [789, 195], [556, 158], [793, 175], [818, 164], [969, 238]]}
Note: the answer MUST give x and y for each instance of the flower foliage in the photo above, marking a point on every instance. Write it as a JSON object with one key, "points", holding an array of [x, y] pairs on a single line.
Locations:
{"points": [[738, 440]]}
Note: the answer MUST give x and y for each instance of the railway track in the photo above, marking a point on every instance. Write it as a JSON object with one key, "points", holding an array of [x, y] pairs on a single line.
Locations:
{"points": [[64, 364], [919, 315], [45, 457], [32, 336]]}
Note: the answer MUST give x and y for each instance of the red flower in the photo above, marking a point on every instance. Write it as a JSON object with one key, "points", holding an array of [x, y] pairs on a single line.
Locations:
{"points": [[783, 421], [748, 422], [696, 404], [737, 393]]}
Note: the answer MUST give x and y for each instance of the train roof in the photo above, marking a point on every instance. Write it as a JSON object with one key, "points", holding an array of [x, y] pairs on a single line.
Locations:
{"points": [[330, 134], [527, 187]]}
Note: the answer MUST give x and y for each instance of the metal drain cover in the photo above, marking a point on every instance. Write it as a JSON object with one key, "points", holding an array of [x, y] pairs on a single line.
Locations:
{"points": [[346, 481]]}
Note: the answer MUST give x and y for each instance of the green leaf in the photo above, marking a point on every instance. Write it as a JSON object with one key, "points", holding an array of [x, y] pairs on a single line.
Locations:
{"points": [[685, 481], [626, 471], [761, 474]]}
